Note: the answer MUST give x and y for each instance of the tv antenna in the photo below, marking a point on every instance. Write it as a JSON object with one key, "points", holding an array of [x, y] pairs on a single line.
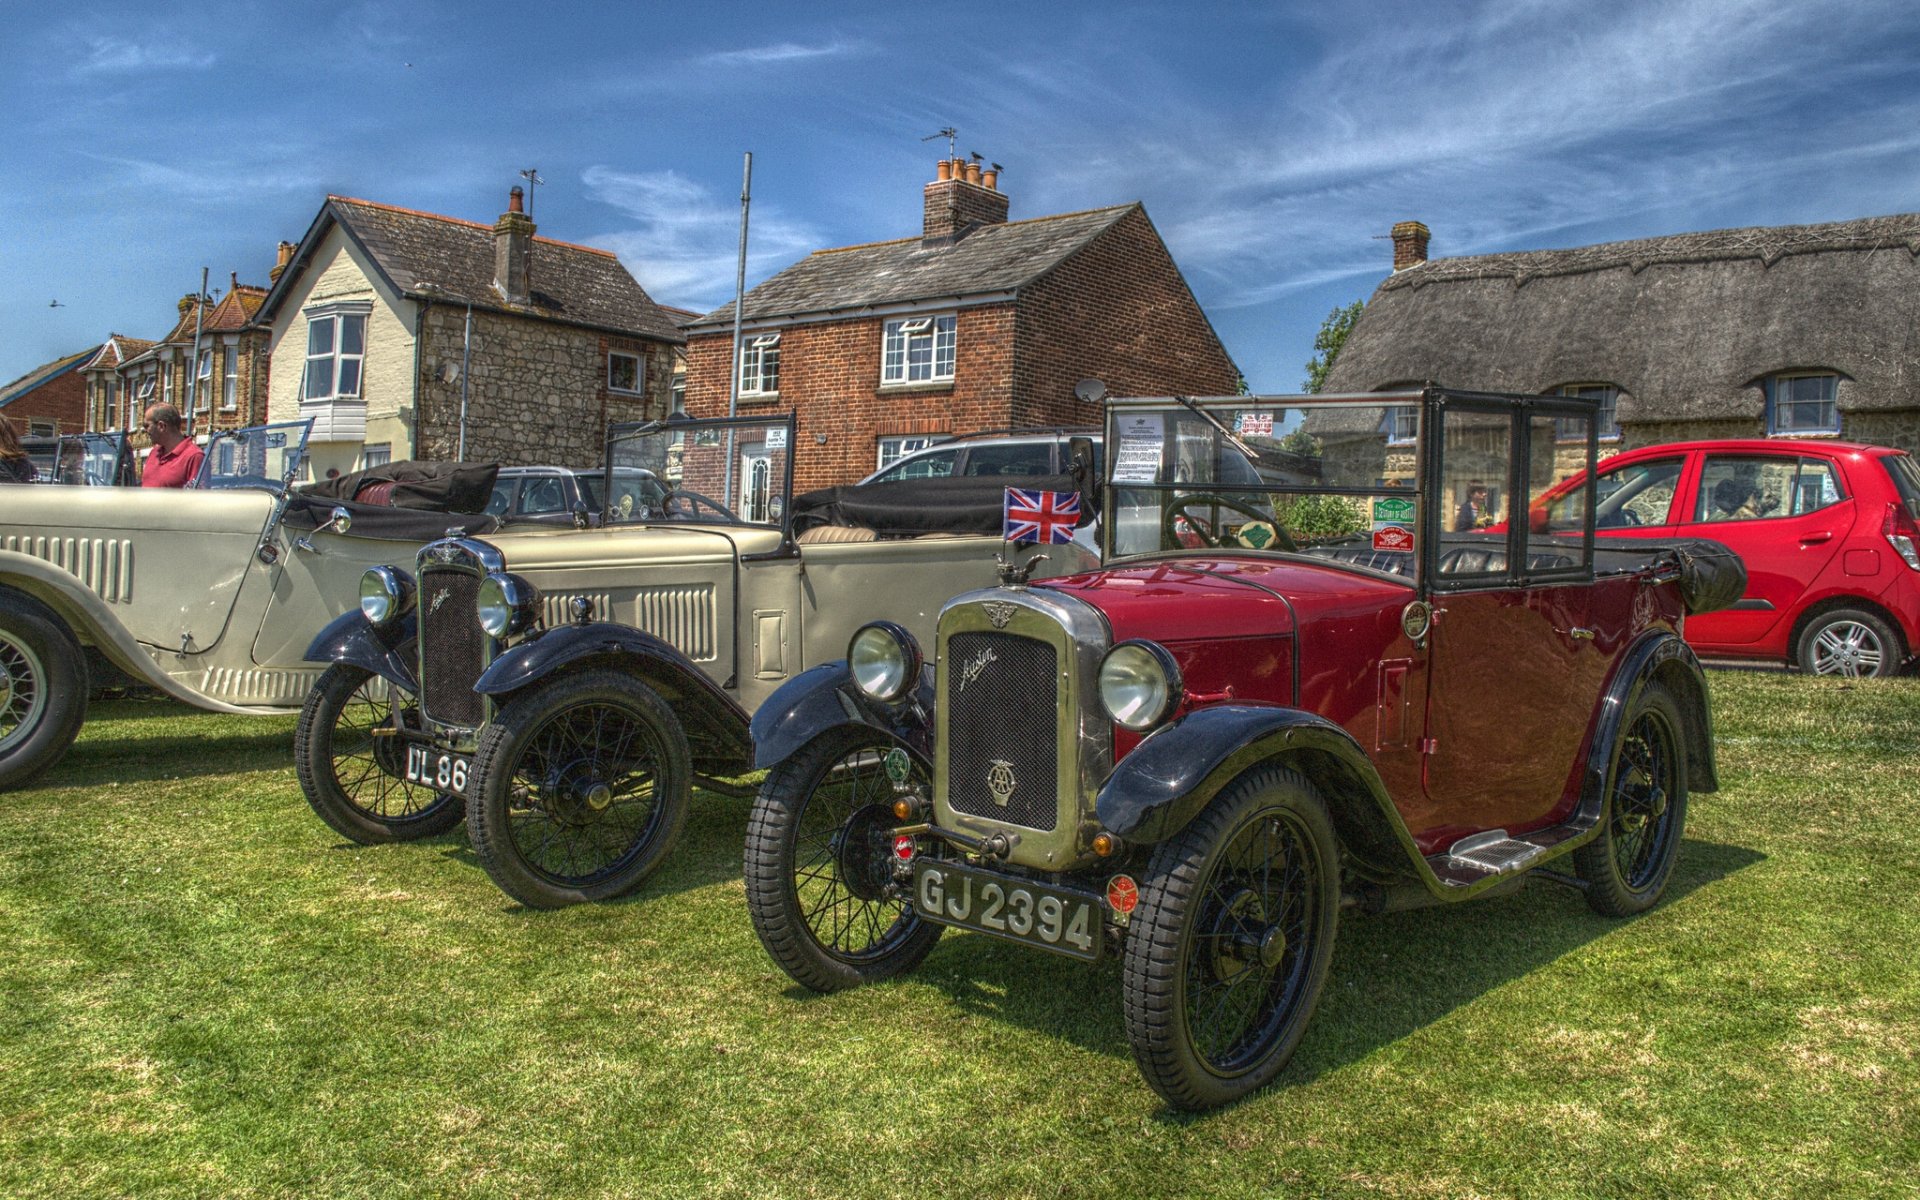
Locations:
{"points": [[948, 133], [532, 176]]}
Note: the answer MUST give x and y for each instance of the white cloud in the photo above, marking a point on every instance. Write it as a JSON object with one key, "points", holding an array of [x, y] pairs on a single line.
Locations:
{"points": [[779, 52], [684, 248], [209, 181], [108, 54]]}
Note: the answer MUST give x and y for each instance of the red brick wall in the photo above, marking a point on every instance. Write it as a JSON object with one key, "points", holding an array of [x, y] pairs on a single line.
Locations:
{"points": [[1118, 312], [62, 401]]}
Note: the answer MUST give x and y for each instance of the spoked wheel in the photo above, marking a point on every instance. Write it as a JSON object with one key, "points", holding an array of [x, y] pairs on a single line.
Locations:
{"points": [[580, 788], [1627, 866], [43, 691], [1230, 945], [351, 762], [818, 867]]}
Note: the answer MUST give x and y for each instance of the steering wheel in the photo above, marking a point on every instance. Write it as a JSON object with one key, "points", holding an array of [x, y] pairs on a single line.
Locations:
{"points": [[693, 506], [1204, 529]]}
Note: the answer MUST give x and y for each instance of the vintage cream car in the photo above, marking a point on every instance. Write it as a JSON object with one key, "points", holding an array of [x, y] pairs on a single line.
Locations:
{"points": [[209, 595], [563, 689]]}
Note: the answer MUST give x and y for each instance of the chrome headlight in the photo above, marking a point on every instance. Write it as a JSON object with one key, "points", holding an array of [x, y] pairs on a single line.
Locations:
{"points": [[385, 595], [885, 661], [1139, 685], [506, 604]]}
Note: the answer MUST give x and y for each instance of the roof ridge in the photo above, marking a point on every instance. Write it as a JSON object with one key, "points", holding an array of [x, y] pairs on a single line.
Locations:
{"points": [[482, 227], [1085, 212]]}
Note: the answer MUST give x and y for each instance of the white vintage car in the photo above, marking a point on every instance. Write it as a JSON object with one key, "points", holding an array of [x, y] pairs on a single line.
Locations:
{"points": [[563, 689], [209, 594]]}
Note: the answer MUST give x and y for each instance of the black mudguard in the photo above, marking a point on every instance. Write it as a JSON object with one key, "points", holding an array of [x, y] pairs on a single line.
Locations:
{"points": [[1177, 771], [823, 698], [715, 724], [1657, 657], [352, 639]]}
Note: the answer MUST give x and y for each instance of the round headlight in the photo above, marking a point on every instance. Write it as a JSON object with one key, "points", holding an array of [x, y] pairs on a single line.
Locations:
{"points": [[385, 595], [506, 604], [885, 661], [1139, 685]]}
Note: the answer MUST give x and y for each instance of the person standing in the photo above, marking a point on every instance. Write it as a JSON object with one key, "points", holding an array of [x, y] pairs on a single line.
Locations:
{"points": [[174, 460], [15, 466], [1473, 512]]}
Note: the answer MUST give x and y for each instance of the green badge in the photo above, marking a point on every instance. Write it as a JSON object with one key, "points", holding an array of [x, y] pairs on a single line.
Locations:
{"points": [[899, 766], [1392, 510]]}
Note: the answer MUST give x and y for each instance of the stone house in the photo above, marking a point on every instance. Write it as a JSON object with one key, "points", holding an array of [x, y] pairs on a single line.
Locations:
{"points": [[50, 399], [406, 334], [977, 323], [1803, 331]]}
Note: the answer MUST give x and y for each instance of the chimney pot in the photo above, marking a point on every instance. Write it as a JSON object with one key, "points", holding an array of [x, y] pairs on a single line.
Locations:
{"points": [[1410, 244], [990, 179], [961, 199], [973, 173], [516, 200], [943, 170]]}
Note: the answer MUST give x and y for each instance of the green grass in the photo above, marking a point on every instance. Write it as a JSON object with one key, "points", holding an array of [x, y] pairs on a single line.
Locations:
{"points": [[204, 992]]}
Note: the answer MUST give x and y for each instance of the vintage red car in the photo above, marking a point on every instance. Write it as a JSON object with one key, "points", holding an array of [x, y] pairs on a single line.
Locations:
{"points": [[1829, 532], [1289, 692]]}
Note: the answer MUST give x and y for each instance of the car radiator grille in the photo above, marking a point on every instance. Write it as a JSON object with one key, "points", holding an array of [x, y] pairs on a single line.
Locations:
{"points": [[1004, 710], [453, 648]]}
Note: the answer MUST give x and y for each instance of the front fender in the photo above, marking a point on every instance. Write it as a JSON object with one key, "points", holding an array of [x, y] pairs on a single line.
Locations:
{"points": [[1177, 771], [1658, 657], [352, 639], [823, 698]]}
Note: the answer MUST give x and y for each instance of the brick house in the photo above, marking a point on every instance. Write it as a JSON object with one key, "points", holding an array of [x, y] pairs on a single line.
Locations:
{"points": [[369, 322], [222, 385], [978, 323], [1790, 331], [50, 399], [108, 399]]}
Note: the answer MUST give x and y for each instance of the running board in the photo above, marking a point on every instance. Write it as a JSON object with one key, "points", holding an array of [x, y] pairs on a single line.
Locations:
{"points": [[1481, 856]]}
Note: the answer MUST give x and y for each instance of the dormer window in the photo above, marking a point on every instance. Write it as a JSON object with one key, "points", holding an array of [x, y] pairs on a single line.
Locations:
{"points": [[760, 365], [1801, 403], [1401, 423], [1574, 429], [918, 350]]}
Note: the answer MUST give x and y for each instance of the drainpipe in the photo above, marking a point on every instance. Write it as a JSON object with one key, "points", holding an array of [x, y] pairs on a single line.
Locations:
{"points": [[739, 303]]}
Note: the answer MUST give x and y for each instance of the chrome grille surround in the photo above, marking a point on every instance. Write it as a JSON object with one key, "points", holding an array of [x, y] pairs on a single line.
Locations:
{"points": [[985, 729], [453, 650]]}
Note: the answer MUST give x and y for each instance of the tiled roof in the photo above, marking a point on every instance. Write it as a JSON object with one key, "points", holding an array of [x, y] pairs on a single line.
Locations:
{"points": [[118, 349], [423, 252], [992, 258], [236, 309], [43, 374]]}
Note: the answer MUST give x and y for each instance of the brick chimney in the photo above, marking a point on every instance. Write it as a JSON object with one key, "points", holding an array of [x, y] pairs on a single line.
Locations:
{"points": [[284, 255], [960, 199], [1409, 244], [512, 248]]}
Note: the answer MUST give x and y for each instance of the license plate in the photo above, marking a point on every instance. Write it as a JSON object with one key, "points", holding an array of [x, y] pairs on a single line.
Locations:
{"points": [[441, 772], [1033, 914]]}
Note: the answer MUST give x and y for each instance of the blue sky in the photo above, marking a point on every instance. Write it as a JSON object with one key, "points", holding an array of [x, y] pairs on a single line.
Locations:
{"points": [[1273, 144]]}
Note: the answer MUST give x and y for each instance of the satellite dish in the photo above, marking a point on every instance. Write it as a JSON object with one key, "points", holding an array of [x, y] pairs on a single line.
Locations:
{"points": [[1090, 390]]}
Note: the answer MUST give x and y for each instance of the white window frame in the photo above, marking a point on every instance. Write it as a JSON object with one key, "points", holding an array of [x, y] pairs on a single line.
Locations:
{"points": [[335, 318], [377, 454], [934, 336], [1775, 429], [893, 447], [1390, 424], [109, 403], [1606, 421], [230, 379], [203, 380], [639, 362], [760, 365]]}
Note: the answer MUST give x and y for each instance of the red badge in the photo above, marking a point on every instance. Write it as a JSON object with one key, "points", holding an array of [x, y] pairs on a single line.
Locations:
{"points": [[1123, 894], [903, 847], [1392, 537]]}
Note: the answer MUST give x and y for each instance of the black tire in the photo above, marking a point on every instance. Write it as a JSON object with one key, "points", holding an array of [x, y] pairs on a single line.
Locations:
{"points": [[1627, 866], [1850, 642], [351, 772], [818, 857], [579, 789], [1229, 947], [43, 691]]}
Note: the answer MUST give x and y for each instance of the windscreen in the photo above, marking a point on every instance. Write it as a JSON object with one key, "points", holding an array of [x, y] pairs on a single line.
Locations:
{"points": [[263, 456], [727, 472]]}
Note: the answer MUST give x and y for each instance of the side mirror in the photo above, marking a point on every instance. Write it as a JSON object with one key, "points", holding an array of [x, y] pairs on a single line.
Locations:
{"points": [[581, 517], [338, 521]]}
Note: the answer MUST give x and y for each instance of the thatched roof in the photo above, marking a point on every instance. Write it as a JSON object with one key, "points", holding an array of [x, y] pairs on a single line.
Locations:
{"points": [[1687, 326]]}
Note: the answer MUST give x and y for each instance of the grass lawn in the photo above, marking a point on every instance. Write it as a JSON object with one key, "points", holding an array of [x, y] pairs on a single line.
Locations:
{"points": [[207, 993]]}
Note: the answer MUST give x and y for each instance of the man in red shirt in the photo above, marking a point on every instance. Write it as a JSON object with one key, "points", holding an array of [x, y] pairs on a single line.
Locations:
{"points": [[174, 459]]}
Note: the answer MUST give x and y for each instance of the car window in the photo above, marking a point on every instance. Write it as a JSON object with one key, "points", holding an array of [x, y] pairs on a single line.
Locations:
{"points": [[502, 498], [542, 495], [1017, 458], [1638, 493], [1906, 480], [1749, 488], [936, 465]]}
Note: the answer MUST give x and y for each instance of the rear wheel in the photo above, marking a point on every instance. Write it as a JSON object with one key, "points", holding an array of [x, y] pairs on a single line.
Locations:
{"points": [[351, 762], [43, 691], [579, 789], [819, 863], [1229, 947], [1848, 641], [1627, 866]]}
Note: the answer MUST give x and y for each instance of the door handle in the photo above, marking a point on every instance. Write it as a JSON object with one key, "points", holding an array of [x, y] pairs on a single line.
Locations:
{"points": [[1811, 539], [1577, 633]]}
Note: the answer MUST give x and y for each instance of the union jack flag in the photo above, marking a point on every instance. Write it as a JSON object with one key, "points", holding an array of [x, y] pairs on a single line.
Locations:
{"points": [[1040, 516]]}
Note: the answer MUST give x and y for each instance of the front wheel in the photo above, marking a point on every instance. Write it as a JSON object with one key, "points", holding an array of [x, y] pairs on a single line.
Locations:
{"points": [[819, 867], [1229, 947], [1848, 641], [579, 789], [1626, 867], [43, 691], [351, 761]]}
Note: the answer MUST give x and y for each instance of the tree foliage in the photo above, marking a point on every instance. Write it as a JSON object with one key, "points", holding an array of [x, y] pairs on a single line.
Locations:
{"points": [[1327, 343]]}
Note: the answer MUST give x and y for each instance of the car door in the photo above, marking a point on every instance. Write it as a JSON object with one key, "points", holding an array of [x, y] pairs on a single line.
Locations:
{"points": [[1794, 519]]}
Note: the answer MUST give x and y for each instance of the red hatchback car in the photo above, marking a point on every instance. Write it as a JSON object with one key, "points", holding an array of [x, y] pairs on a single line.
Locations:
{"points": [[1830, 532]]}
